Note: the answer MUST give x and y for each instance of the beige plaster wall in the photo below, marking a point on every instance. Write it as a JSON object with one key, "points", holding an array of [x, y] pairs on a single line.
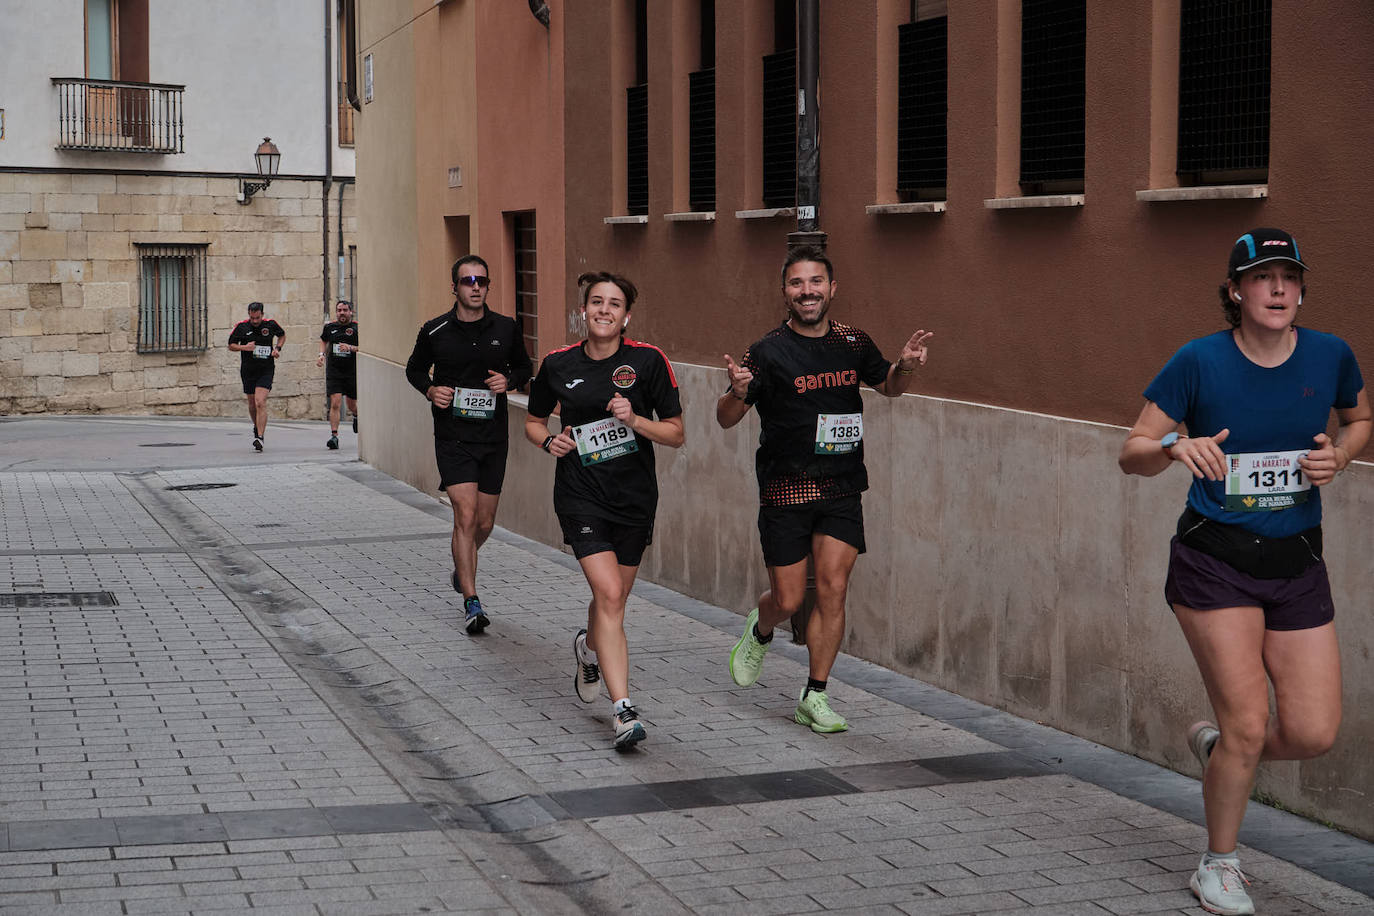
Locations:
{"points": [[1010, 561], [69, 290]]}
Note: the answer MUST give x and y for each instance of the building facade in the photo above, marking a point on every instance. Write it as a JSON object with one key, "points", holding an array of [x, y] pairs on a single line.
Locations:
{"points": [[128, 247], [1053, 189]]}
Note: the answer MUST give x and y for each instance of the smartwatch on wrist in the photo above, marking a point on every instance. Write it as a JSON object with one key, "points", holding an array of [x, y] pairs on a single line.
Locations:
{"points": [[1168, 442], [545, 445]]}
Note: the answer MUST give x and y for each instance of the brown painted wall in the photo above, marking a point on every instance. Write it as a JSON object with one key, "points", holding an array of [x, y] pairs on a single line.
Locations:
{"points": [[1066, 311]]}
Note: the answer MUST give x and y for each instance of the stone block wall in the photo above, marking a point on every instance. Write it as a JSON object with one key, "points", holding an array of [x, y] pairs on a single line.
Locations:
{"points": [[69, 290]]}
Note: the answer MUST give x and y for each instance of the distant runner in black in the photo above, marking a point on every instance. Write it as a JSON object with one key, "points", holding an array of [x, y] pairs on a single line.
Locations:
{"points": [[605, 489], [259, 341], [476, 356], [804, 376], [339, 356]]}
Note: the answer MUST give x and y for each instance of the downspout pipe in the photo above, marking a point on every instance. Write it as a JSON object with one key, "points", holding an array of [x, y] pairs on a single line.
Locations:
{"points": [[808, 126], [328, 150]]}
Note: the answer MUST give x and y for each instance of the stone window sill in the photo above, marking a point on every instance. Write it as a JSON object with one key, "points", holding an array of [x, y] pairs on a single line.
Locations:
{"points": [[919, 206], [767, 213], [625, 220], [1037, 201], [1204, 192], [694, 216]]}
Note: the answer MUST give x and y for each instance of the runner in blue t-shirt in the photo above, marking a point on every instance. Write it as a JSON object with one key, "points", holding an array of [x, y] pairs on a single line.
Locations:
{"points": [[1246, 578]]}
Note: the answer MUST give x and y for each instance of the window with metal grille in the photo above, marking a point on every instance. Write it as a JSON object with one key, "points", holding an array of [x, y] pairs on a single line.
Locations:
{"points": [[1053, 42], [701, 118], [780, 109], [173, 312], [1223, 90], [637, 120], [922, 81], [526, 280]]}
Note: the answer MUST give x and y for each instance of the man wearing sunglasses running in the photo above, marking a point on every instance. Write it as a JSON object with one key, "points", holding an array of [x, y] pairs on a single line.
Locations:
{"points": [[476, 356]]}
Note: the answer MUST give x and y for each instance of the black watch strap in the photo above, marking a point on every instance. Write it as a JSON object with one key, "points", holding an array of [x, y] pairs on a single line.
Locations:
{"points": [[545, 445]]}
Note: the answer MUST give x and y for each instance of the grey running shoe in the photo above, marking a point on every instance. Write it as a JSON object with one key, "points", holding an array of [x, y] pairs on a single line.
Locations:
{"points": [[629, 731], [587, 674], [1202, 737], [1219, 886]]}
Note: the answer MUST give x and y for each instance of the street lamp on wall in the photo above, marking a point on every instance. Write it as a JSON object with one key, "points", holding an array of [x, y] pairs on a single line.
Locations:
{"points": [[268, 157]]}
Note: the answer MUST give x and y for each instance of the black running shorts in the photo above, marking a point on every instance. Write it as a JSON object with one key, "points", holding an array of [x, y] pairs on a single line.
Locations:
{"points": [[466, 462], [785, 531]]}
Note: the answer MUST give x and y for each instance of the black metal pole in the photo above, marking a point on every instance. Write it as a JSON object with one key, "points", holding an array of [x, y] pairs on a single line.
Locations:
{"points": [[808, 126]]}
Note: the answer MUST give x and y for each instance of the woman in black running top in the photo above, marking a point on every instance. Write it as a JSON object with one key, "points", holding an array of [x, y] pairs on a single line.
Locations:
{"points": [[605, 490]]}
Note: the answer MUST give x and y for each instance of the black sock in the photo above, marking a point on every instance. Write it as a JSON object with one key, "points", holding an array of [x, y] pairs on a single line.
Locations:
{"points": [[813, 684], [760, 637]]}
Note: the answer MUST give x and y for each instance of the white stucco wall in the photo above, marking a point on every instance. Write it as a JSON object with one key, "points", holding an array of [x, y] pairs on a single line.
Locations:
{"points": [[252, 68]]}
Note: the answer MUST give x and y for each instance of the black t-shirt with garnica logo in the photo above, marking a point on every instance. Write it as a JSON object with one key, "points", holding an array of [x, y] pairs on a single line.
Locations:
{"points": [[606, 480], [264, 335], [796, 379], [340, 332]]}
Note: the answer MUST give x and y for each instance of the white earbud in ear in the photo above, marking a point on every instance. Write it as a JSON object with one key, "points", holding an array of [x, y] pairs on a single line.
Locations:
{"points": [[1300, 295], [1236, 296], [627, 322]]}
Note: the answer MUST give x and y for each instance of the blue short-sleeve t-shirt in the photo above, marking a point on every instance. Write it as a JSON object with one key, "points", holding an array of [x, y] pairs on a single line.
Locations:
{"points": [[1209, 385]]}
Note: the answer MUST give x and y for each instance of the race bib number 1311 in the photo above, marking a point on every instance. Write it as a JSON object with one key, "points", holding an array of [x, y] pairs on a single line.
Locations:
{"points": [[1263, 481]]}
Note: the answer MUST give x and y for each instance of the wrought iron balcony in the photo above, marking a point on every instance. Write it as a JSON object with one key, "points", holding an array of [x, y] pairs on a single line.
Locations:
{"points": [[126, 117]]}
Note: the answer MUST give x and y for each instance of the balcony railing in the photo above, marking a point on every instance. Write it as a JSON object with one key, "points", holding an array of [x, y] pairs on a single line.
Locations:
{"points": [[110, 115]]}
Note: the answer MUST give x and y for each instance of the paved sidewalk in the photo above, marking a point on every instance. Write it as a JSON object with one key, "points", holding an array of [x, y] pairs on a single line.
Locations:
{"points": [[241, 682]]}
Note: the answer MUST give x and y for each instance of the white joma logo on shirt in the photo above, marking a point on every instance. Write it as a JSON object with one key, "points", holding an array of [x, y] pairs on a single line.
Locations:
{"points": [[574, 383]]}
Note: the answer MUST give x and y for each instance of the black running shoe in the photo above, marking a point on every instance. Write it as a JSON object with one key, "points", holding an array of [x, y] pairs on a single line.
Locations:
{"points": [[333, 441], [257, 442]]}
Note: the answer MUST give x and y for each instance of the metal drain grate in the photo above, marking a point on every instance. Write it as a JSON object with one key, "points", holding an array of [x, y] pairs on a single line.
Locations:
{"points": [[165, 444], [188, 487], [58, 599], [271, 525]]}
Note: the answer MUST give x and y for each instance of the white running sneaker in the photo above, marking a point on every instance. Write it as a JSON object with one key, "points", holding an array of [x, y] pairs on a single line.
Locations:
{"points": [[1219, 885], [629, 731], [586, 673]]}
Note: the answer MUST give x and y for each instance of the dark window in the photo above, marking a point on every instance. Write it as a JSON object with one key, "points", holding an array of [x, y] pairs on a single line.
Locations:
{"points": [[173, 313], [701, 118], [1223, 90], [1053, 41], [780, 129], [780, 109], [345, 73], [922, 78], [637, 121], [526, 280]]}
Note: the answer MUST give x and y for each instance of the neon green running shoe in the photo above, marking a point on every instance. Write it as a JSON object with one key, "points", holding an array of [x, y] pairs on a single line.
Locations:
{"points": [[746, 658], [813, 709]]}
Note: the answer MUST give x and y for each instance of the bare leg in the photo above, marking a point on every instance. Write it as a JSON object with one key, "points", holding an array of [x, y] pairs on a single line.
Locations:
{"points": [[469, 506], [1305, 668], [1228, 645], [335, 404], [610, 583], [260, 414], [825, 631]]}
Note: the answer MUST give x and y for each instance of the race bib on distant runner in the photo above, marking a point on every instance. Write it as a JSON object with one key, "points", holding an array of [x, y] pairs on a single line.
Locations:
{"points": [[474, 403], [262, 351], [340, 351], [838, 433], [1263, 481], [603, 440]]}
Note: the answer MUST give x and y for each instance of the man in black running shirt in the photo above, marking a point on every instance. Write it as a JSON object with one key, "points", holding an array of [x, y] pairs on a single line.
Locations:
{"points": [[477, 356], [804, 377], [259, 341], [339, 356]]}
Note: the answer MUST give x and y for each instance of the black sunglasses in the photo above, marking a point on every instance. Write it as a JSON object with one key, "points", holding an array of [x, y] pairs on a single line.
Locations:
{"points": [[483, 282]]}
